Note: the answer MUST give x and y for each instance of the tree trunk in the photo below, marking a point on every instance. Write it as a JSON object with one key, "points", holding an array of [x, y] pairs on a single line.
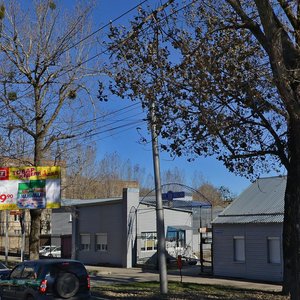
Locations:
{"points": [[291, 227], [34, 237], [35, 214]]}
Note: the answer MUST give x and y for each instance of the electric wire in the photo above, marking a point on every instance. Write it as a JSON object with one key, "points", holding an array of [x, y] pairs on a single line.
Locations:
{"points": [[113, 131], [101, 129], [104, 26], [124, 40], [107, 123], [103, 52], [96, 31]]}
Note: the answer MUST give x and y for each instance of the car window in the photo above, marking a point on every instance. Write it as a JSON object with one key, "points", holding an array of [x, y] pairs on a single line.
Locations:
{"points": [[73, 267], [2, 266], [16, 272], [29, 273]]}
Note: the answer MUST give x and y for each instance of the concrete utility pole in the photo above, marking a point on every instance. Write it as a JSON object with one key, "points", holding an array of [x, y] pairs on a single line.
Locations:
{"points": [[6, 236], [160, 225]]}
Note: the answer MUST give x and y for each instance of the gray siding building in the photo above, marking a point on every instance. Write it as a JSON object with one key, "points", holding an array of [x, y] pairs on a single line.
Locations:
{"points": [[247, 235], [121, 231], [104, 230], [61, 225]]}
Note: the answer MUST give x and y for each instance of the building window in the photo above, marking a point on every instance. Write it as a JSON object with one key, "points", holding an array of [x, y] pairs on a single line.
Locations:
{"points": [[16, 218], [101, 242], [239, 248], [148, 241], [85, 242], [274, 256], [175, 237]]}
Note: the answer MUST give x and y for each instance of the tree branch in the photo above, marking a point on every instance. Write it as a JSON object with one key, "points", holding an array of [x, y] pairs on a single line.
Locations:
{"points": [[289, 13], [250, 24]]}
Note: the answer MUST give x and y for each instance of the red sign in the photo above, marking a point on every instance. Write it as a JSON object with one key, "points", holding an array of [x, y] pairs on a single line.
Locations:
{"points": [[179, 262], [4, 174]]}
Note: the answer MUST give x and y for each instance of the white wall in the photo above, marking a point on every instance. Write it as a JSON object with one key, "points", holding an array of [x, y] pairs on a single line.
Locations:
{"points": [[122, 220], [146, 222]]}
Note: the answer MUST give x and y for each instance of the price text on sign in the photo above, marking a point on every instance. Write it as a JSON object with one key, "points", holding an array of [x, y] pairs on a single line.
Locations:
{"points": [[3, 197], [30, 187]]}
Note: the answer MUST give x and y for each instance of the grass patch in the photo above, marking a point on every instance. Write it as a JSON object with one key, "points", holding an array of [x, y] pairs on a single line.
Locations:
{"points": [[184, 291]]}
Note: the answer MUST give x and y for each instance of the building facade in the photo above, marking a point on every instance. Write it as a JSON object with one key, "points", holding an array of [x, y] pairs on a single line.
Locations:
{"points": [[247, 235], [122, 231]]}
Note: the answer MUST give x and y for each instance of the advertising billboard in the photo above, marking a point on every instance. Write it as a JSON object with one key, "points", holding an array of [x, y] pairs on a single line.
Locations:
{"points": [[29, 187]]}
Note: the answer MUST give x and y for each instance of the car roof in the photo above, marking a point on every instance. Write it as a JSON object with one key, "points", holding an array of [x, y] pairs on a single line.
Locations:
{"points": [[52, 260]]}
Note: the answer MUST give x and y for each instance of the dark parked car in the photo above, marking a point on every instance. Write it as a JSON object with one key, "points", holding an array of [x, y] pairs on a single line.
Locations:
{"points": [[4, 270], [46, 279]]}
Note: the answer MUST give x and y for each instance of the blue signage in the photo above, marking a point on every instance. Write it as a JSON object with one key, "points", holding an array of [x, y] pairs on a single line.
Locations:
{"points": [[171, 195]]}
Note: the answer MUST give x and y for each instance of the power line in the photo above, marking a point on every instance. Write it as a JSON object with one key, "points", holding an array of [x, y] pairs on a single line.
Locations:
{"points": [[104, 26], [117, 113], [113, 131], [95, 32], [123, 110], [107, 49], [102, 52], [90, 133]]}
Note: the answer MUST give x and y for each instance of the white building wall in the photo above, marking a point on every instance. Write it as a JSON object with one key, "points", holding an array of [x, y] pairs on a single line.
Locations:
{"points": [[123, 221], [129, 210], [146, 222]]}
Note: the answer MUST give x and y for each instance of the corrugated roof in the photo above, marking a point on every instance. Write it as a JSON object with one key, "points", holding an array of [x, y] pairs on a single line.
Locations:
{"points": [[261, 202], [84, 202]]}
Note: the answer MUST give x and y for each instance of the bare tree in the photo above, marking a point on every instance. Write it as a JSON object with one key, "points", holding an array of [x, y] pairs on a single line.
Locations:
{"points": [[228, 86], [82, 174], [174, 175], [89, 178], [43, 76], [212, 193]]}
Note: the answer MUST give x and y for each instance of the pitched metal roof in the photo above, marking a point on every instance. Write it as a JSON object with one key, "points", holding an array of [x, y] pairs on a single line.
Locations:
{"points": [[261, 202], [86, 202]]}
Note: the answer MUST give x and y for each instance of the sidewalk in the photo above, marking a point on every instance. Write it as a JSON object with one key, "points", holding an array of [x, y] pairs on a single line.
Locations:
{"points": [[192, 274]]}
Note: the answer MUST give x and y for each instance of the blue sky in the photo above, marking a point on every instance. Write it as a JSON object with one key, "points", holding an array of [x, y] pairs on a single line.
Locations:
{"points": [[125, 141]]}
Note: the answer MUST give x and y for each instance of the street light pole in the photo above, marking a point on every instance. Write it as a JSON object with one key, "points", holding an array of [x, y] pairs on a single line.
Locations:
{"points": [[160, 226]]}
